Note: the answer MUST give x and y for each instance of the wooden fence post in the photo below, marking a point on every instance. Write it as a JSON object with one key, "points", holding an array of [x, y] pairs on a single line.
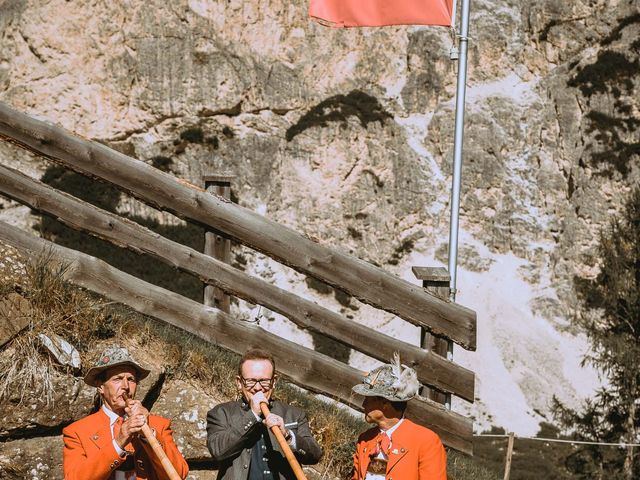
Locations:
{"points": [[216, 244], [507, 467], [435, 280]]}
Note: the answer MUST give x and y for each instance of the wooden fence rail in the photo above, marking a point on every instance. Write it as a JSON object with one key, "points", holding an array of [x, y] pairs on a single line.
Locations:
{"points": [[303, 366], [432, 369], [360, 279]]}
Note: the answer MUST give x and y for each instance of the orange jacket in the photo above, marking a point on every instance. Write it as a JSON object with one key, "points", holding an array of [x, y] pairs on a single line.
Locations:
{"points": [[89, 453], [416, 454]]}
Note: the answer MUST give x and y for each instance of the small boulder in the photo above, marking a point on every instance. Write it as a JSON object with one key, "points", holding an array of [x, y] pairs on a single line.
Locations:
{"points": [[62, 351]]}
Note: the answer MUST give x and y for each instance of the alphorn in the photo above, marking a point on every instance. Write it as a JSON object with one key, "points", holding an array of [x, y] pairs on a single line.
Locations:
{"points": [[157, 448], [291, 458]]}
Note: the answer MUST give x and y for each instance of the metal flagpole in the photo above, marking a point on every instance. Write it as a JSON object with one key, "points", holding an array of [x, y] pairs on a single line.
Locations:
{"points": [[457, 151], [454, 12]]}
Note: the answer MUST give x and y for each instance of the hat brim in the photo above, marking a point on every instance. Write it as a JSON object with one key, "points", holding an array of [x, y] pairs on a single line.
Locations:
{"points": [[367, 391], [91, 378]]}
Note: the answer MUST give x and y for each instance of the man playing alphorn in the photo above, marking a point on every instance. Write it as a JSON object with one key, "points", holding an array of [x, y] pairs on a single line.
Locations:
{"points": [[396, 448], [108, 445], [237, 434]]}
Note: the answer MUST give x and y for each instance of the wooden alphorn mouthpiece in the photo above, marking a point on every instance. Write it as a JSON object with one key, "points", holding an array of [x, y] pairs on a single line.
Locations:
{"points": [[157, 448], [291, 458]]}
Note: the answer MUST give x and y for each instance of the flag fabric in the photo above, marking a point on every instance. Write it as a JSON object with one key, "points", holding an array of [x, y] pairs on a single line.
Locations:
{"points": [[378, 13]]}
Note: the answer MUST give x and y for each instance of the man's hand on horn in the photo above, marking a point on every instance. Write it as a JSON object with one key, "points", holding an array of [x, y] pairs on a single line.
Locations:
{"points": [[130, 429], [256, 399], [273, 420], [135, 407], [132, 426]]}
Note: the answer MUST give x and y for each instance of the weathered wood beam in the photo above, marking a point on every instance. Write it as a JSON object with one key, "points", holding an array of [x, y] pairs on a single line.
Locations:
{"points": [[77, 214], [358, 278], [215, 244], [302, 366]]}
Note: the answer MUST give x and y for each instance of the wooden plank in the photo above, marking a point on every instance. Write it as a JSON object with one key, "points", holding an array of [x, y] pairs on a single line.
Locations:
{"points": [[356, 277], [432, 274], [435, 280], [432, 369], [303, 366], [507, 466], [216, 244]]}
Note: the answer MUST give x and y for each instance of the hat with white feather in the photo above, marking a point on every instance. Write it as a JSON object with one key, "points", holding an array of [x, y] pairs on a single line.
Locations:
{"points": [[395, 382]]}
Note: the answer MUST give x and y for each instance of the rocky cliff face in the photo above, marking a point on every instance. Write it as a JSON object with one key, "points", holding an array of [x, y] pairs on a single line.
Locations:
{"points": [[347, 136]]}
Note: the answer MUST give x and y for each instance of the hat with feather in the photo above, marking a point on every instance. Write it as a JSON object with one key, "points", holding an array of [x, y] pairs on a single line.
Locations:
{"points": [[395, 382]]}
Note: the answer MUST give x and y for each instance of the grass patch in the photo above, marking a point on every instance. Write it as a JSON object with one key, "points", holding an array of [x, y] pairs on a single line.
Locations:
{"points": [[464, 467], [56, 307], [531, 459]]}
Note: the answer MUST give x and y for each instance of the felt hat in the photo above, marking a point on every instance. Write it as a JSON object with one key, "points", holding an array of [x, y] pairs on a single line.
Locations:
{"points": [[113, 357]]}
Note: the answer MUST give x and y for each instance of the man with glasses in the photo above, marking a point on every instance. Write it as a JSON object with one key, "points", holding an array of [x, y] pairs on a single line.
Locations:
{"points": [[239, 438]]}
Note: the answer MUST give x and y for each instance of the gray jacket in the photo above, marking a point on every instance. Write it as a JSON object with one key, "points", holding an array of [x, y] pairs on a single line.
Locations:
{"points": [[233, 430]]}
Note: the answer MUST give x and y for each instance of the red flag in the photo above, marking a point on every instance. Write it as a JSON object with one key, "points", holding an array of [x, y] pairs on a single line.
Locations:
{"points": [[377, 13]]}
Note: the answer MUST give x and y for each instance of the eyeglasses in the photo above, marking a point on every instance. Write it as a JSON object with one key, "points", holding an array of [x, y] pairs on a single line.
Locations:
{"points": [[265, 383]]}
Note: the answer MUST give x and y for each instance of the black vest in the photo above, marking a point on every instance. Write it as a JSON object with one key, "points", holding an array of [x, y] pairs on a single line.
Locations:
{"points": [[259, 468]]}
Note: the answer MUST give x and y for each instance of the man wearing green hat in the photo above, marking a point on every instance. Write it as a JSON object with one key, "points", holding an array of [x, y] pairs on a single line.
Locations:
{"points": [[108, 444], [396, 448]]}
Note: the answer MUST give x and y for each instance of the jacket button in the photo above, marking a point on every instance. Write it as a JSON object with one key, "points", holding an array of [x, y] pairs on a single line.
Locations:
{"points": [[245, 466]]}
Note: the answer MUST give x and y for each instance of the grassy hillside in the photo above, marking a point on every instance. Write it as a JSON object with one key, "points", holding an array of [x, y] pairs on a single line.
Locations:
{"points": [[531, 459]]}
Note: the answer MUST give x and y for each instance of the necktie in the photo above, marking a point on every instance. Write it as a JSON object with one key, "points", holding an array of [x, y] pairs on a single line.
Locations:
{"points": [[384, 442], [127, 467], [116, 428]]}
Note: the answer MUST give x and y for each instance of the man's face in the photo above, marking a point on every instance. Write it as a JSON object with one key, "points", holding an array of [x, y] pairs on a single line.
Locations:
{"points": [[374, 409], [119, 380], [257, 375]]}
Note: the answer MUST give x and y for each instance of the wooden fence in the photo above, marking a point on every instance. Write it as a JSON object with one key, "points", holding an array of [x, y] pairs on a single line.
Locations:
{"points": [[305, 367]]}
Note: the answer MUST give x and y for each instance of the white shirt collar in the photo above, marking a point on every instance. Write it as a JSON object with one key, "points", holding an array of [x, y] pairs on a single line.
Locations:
{"points": [[113, 416], [390, 431]]}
